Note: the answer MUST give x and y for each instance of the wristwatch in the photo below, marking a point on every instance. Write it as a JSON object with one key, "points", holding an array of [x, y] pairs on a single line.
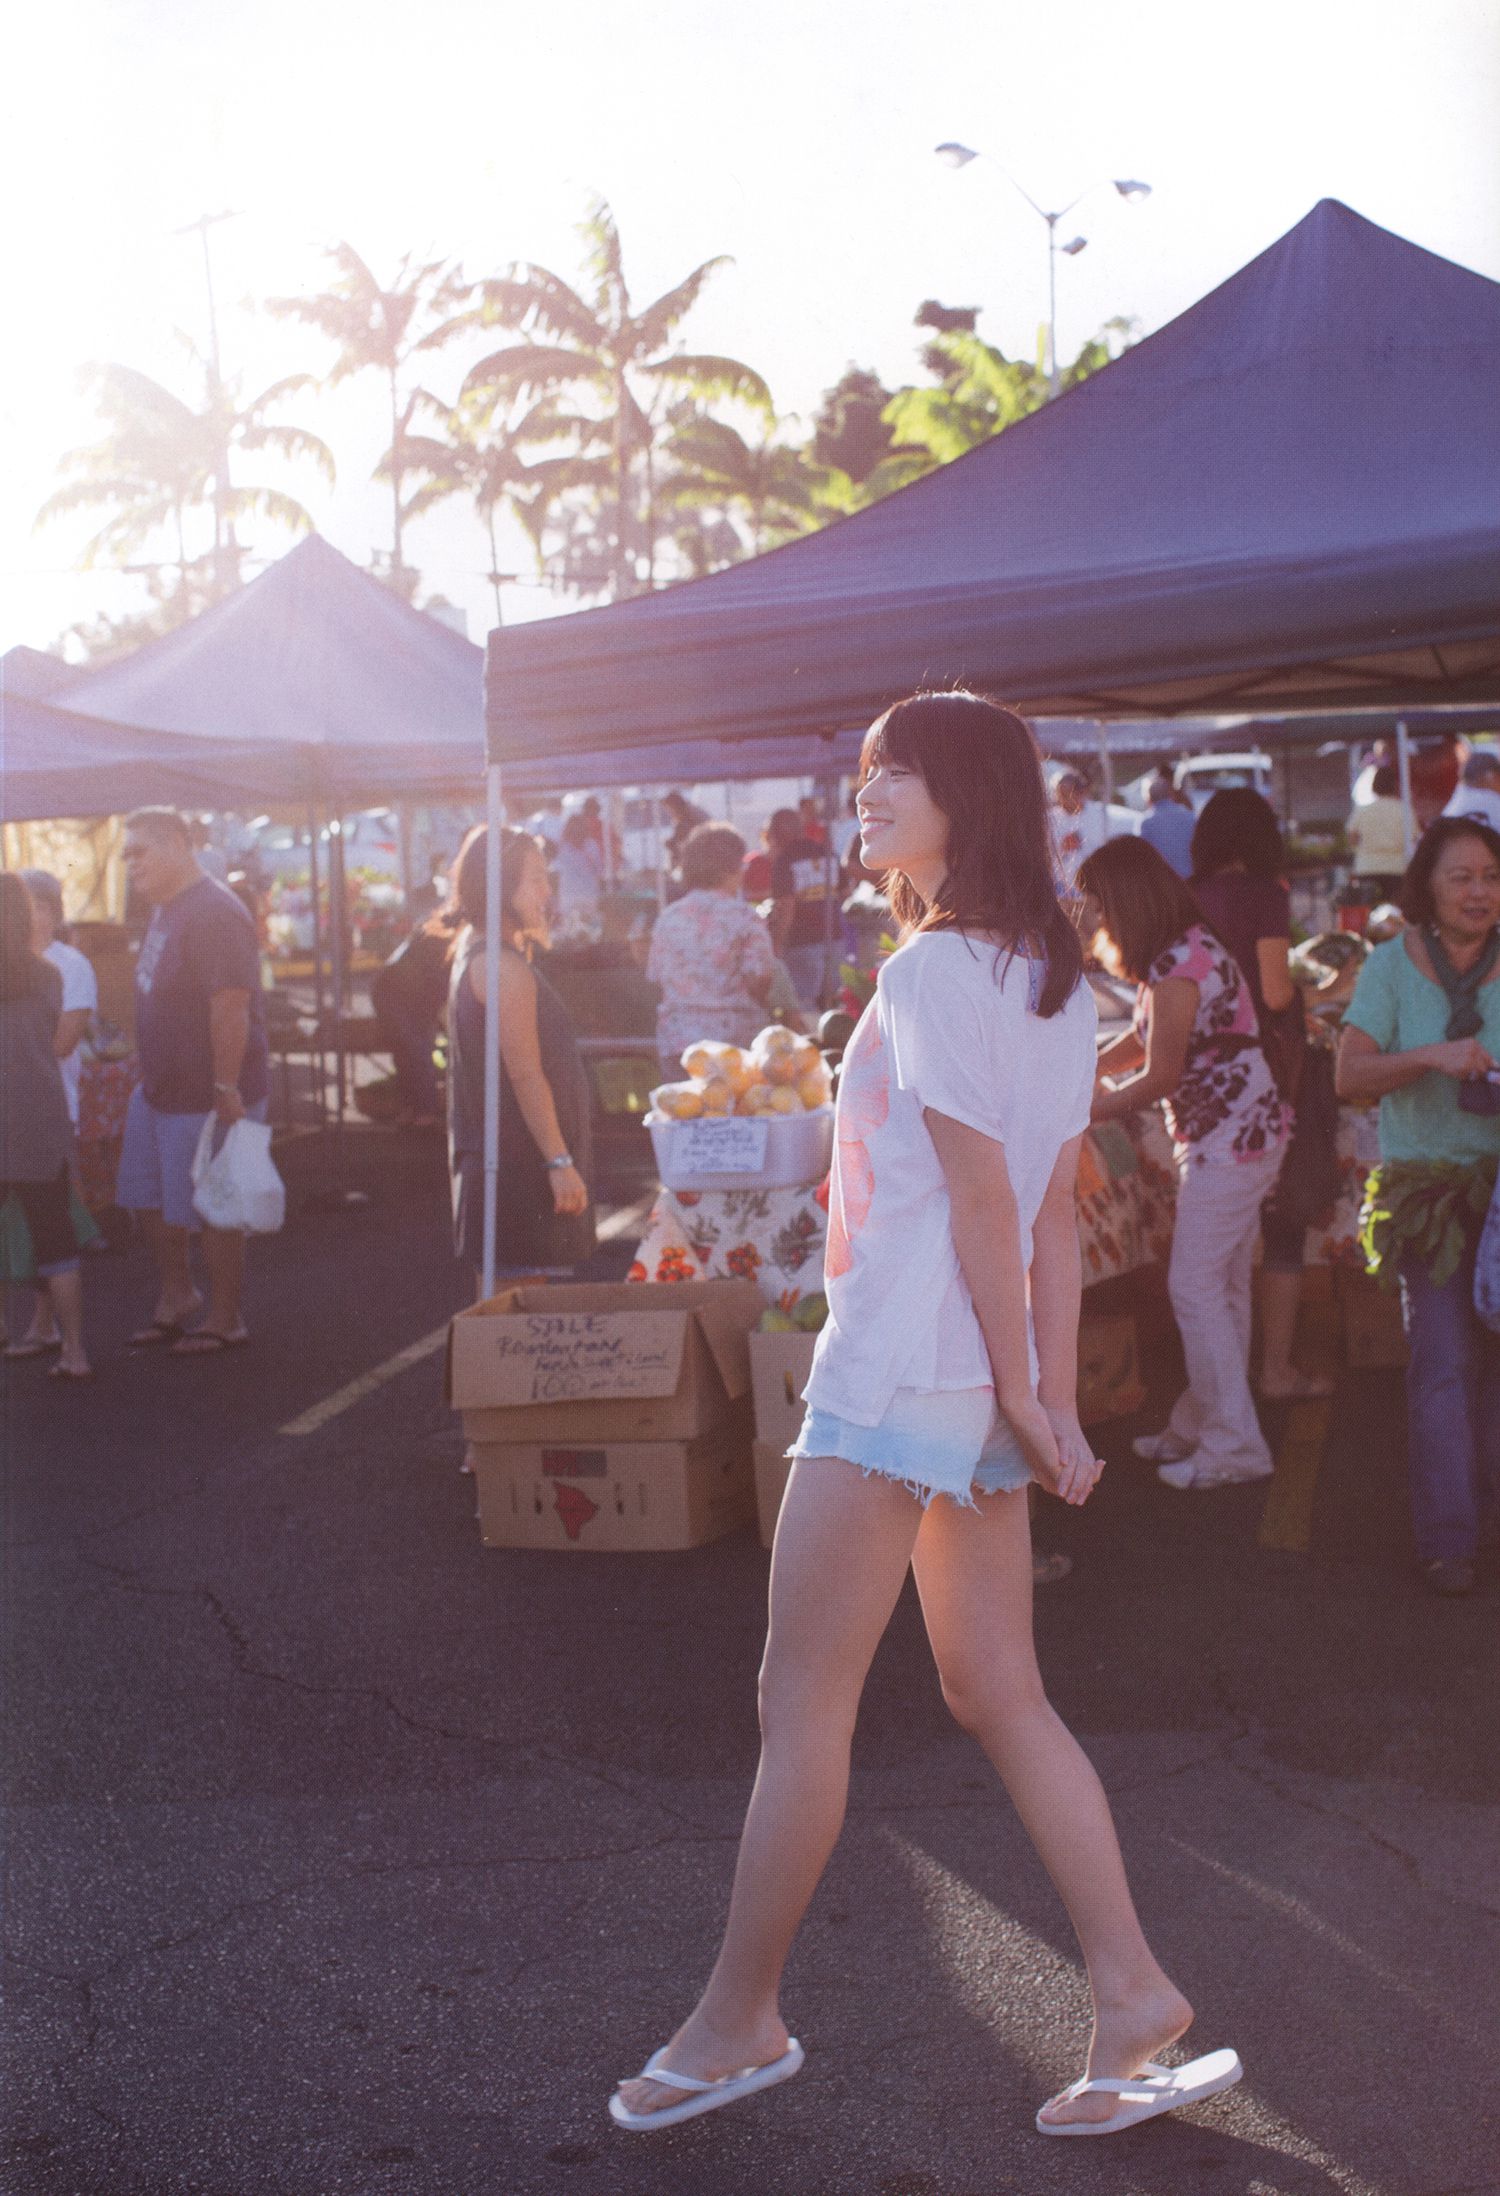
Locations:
{"points": [[563, 1159]]}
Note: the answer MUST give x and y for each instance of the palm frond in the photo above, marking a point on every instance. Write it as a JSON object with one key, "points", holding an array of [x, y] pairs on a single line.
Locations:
{"points": [[605, 261], [530, 297], [659, 322], [269, 503], [290, 442], [533, 367], [709, 377]]}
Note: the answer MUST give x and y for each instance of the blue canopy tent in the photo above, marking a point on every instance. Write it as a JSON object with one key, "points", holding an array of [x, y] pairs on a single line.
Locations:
{"points": [[1287, 498], [54, 762]]}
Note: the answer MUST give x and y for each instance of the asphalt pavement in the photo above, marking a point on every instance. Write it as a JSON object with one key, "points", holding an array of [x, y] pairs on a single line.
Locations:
{"points": [[346, 1857]]}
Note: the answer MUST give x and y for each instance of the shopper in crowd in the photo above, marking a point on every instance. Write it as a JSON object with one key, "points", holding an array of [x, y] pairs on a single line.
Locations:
{"points": [[1478, 791], [80, 1003], [1376, 832], [1079, 824], [710, 953], [1238, 880], [201, 1041], [804, 881], [36, 1136], [686, 816], [1422, 1035], [1194, 1044], [1168, 824], [544, 1206], [579, 857], [810, 816], [964, 1096], [409, 995]]}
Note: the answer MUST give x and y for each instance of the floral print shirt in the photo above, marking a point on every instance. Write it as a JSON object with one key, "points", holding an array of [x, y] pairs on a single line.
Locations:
{"points": [[1226, 1109], [705, 948]]}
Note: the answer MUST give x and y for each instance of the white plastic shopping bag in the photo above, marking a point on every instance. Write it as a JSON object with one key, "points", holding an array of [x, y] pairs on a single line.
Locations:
{"points": [[237, 1186]]}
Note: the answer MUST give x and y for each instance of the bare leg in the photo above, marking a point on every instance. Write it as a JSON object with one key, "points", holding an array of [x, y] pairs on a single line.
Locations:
{"points": [[1280, 1376], [224, 1261], [42, 1329], [176, 1298], [974, 1577], [843, 1545], [65, 1292]]}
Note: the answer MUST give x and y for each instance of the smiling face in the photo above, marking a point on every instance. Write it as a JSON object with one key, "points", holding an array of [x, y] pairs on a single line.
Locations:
{"points": [[1466, 888], [900, 824]]}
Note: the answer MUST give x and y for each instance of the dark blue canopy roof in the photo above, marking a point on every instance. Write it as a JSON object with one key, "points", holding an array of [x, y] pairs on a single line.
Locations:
{"points": [[1288, 498]]}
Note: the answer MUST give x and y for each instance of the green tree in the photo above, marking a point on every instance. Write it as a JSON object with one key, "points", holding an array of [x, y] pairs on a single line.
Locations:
{"points": [[380, 330], [164, 459], [485, 450], [770, 486], [615, 358], [977, 393], [850, 431]]}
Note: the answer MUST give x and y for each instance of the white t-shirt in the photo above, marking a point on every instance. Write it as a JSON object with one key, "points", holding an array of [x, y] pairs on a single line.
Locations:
{"points": [[952, 1027], [1477, 801], [80, 989], [1077, 837]]}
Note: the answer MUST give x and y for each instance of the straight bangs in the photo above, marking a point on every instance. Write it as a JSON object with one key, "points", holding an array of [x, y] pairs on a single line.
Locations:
{"points": [[981, 767]]}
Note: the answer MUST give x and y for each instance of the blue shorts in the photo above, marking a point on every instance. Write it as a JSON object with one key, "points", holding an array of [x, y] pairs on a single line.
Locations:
{"points": [[951, 1442], [156, 1160]]}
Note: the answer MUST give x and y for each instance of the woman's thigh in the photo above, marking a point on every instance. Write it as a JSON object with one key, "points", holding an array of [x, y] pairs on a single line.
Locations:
{"points": [[843, 1547], [973, 1572]]}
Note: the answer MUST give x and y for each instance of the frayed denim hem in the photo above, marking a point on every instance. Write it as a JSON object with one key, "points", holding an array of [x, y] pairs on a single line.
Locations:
{"points": [[923, 1490]]}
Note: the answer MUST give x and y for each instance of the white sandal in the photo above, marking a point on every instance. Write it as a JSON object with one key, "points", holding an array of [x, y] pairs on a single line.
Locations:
{"points": [[707, 2096], [1142, 2096]]}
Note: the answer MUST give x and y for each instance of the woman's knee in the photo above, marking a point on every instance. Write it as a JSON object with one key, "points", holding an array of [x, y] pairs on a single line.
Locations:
{"points": [[797, 1704], [982, 1701]]}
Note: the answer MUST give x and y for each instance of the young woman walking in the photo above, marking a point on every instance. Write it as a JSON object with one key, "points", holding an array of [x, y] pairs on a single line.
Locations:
{"points": [[934, 1401]]}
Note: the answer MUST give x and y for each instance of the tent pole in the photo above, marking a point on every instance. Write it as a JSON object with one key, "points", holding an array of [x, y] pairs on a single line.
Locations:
{"points": [[494, 824], [1106, 765], [661, 867], [320, 999], [831, 880], [1403, 771]]}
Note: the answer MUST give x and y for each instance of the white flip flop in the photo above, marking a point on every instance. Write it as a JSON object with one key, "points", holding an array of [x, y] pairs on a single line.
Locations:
{"points": [[707, 2096], [1142, 2096]]}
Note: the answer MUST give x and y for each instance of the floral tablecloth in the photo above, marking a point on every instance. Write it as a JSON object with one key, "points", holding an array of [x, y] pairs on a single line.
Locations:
{"points": [[1127, 1198]]}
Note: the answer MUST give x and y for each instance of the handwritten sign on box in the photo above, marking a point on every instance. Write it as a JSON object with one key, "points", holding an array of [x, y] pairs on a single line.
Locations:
{"points": [[726, 1144]]}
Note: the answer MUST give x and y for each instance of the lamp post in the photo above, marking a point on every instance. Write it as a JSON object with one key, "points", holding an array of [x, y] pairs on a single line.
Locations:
{"points": [[1131, 190]]}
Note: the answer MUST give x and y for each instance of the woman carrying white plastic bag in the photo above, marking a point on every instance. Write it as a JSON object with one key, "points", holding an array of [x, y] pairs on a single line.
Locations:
{"points": [[236, 1188]]}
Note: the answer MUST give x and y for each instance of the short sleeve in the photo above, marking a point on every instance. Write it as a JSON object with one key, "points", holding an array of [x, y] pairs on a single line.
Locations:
{"points": [[224, 951], [758, 959], [1374, 1006], [80, 985], [940, 1048]]}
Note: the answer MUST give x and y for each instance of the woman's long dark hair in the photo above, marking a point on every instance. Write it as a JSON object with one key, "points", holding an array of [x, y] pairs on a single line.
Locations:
{"points": [[1237, 825], [980, 764], [467, 894], [1144, 903], [22, 969]]}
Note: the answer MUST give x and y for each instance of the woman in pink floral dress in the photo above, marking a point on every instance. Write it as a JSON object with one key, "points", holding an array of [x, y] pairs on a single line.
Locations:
{"points": [[710, 953]]}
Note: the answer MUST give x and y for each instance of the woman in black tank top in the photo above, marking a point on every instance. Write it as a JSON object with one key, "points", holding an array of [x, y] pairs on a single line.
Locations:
{"points": [[544, 1205]]}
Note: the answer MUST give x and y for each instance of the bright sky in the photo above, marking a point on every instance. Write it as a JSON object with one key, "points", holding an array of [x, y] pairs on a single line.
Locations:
{"points": [[796, 135]]}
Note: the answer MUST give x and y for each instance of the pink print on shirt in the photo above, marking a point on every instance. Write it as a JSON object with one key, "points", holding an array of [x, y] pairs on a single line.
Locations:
{"points": [[864, 1104]]}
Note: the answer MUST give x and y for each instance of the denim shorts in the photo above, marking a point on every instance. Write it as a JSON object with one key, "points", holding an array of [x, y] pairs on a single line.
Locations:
{"points": [[156, 1160], [951, 1442]]}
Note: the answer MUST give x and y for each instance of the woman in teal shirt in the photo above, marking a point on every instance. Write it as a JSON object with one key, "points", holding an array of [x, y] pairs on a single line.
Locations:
{"points": [[1422, 1035]]}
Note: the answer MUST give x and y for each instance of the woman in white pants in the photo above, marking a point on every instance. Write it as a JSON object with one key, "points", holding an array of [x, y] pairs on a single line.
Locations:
{"points": [[1194, 1043]]}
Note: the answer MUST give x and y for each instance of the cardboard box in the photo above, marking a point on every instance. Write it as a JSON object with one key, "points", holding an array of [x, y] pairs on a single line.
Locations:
{"points": [[1109, 1379], [601, 1365], [622, 1497], [780, 1368], [772, 1470]]}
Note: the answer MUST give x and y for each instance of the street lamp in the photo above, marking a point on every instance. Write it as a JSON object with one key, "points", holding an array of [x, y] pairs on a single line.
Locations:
{"points": [[1130, 189]]}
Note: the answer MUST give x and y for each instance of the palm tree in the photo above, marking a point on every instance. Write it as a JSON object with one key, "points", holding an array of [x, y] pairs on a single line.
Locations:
{"points": [[773, 486], [162, 459], [618, 358], [381, 329], [482, 453]]}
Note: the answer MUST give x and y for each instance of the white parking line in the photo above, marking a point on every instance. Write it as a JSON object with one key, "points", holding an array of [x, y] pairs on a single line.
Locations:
{"points": [[615, 1224]]}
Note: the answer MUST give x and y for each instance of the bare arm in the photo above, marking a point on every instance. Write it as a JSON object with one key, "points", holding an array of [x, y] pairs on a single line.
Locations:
{"points": [[1121, 1054], [1364, 1071], [520, 1049], [72, 1028], [228, 1035], [1276, 985], [1170, 1008], [987, 1236], [781, 921]]}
